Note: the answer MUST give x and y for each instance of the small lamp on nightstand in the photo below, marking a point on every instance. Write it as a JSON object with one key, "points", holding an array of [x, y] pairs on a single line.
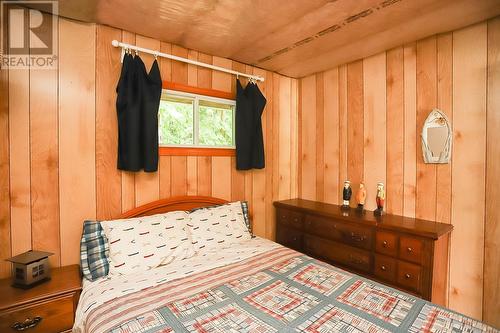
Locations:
{"points": [[30, 268]]}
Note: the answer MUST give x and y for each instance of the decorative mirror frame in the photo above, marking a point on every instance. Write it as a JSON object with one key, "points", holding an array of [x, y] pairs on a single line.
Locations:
{"points": [[436, 118]]}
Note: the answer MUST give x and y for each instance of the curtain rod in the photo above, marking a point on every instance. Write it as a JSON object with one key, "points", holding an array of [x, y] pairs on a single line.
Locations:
{"points": [[125, 46]]}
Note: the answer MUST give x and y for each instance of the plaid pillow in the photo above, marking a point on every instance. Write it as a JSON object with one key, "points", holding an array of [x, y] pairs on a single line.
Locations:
{"points": [[94, 251], [244, 208], [84, 264]]}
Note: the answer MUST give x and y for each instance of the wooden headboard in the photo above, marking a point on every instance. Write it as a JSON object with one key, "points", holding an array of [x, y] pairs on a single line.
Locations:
{"points": [[172, 204]]}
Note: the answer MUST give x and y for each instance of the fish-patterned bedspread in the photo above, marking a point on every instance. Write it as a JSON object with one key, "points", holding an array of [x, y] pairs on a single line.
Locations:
{"points": [[277, 291]]}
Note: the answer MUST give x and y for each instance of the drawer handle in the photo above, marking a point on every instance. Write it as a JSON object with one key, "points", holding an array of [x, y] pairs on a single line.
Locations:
{"points": [[295, 219], [28, 323], [407, 276], [410, 250], [383, 268], [357, 238], [355, 260], [384, 243], [295, 238]]}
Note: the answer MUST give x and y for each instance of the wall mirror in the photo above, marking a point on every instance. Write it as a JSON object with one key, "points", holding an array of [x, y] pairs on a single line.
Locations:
{"points": [[436, 138]]}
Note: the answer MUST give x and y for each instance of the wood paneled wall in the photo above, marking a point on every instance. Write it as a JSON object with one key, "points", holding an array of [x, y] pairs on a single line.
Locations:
{"points": [[362, 122], [58, 145]]}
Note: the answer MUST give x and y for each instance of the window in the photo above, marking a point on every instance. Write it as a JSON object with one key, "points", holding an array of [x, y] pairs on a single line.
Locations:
{"points": [[195, 121]]}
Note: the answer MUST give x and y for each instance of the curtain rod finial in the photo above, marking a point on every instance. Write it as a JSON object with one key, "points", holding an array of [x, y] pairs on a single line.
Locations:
{"points": [[115, 43]]}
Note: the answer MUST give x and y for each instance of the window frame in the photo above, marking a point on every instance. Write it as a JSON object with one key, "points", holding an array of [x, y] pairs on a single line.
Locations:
{"points": [[185, 91]]}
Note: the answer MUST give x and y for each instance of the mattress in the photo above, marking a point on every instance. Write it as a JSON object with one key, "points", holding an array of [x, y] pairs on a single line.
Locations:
{"points": [[257, 286]]}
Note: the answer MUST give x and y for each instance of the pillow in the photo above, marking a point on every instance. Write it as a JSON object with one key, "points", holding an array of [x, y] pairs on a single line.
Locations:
{"points": [[248, 223], [94, 251], [218, 226], [143, 243], [244, 209]]}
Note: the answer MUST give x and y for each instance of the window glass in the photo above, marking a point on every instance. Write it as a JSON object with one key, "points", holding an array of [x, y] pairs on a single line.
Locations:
{"points": [[176, 125], [216, 124], [190, 120]]}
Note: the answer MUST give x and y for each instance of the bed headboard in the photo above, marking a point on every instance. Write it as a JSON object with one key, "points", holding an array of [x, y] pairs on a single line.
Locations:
{"points": [[172, 204]]}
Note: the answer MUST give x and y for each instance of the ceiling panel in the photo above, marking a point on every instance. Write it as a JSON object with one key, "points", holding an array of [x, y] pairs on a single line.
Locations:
{"points": [[295, 38]]}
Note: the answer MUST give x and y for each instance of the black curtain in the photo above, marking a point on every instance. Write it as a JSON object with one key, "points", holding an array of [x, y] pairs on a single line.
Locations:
{"points": [[250, 103], [137, 103]]}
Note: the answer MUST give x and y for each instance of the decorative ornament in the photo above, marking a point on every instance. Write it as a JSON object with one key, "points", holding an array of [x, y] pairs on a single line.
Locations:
{"points": [[361, 197], [346, 194], [380, 200]]}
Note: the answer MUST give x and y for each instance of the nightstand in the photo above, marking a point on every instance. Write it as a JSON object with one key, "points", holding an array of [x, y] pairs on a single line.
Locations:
{"points": [[48, 307]]}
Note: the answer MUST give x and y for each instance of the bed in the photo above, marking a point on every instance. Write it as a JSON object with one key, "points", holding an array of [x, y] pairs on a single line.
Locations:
{"points": [[254, 286]]}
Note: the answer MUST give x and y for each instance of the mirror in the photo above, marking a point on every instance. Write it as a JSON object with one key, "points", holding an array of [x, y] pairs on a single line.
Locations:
{"points": [[436, 138]]}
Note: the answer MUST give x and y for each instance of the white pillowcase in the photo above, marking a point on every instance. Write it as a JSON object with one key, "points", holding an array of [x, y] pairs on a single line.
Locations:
{"points": [[218, 226], [147, 242]]}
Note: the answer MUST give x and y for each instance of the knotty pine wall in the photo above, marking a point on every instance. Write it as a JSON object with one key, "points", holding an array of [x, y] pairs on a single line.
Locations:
{"points": [[58, 145], [362, 121]]}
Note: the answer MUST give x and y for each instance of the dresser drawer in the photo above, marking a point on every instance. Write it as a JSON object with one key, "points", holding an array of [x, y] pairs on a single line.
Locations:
{"points": [[386, 243], [409, 276], [340, 253], [410, 249], [339, 231], [289, 218], [356, 236], [55, 315], [289, 237], [385, 268], [322, 227]]}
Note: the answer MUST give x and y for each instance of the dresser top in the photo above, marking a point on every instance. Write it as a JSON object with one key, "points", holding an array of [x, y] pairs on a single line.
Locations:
{"points": [[419, 227], [63, 280]]}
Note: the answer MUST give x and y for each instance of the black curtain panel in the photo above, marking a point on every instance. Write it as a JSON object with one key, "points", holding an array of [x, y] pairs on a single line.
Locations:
{"points": [[128, 112], [150, 87], [137, 103], [250, 103]]}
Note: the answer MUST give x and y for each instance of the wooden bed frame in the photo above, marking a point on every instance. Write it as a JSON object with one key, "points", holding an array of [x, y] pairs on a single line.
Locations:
{"points": [[172, 204]]}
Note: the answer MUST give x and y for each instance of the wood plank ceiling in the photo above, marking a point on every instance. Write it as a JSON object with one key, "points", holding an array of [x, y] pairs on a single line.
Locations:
{"points": [[294, 38]]}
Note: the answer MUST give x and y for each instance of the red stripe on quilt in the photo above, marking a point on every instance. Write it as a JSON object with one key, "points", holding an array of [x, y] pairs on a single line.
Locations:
{"points": [[117, 311]]}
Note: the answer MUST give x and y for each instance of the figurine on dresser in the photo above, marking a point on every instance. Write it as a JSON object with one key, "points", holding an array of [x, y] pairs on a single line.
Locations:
{"points": [[346, 194], [360, 198], [380, 200]]}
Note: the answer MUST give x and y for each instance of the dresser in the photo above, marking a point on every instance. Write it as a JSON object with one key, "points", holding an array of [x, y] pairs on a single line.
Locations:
{"points": [[406, 253], [48, 307]]}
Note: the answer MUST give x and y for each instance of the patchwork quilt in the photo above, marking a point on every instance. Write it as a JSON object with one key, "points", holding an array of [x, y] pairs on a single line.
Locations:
{"points": [[279, 290]]}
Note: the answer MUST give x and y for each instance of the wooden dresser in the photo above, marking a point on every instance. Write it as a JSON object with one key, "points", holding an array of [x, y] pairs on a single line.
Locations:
{"points": [[405, 253], [49, 307]]}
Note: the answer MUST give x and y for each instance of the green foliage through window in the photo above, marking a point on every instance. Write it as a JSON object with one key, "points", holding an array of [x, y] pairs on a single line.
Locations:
{"points": [[216, 124], [195, 120], [176, 121]]}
